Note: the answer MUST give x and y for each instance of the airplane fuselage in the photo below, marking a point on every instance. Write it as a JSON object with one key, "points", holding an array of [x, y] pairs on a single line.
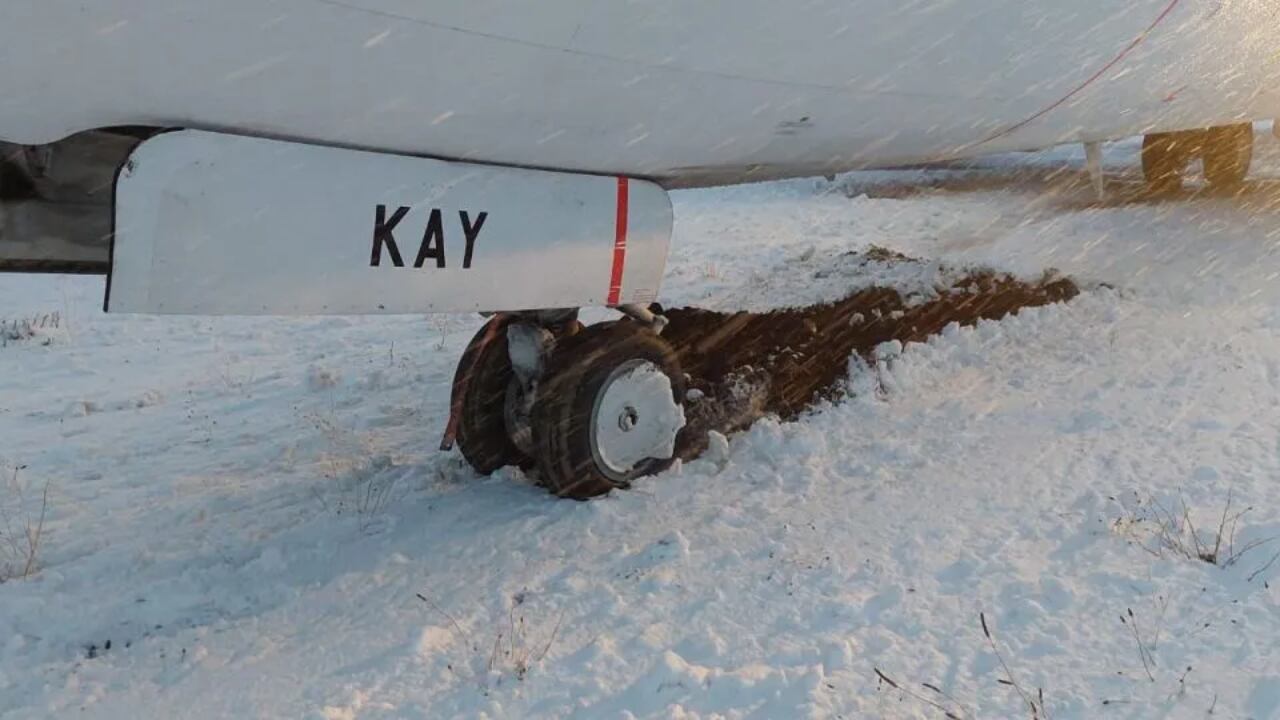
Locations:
{"points": [[683, 93]]}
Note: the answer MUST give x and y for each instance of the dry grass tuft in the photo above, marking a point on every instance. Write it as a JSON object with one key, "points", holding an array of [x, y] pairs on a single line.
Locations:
{"points": [[21, 528]]}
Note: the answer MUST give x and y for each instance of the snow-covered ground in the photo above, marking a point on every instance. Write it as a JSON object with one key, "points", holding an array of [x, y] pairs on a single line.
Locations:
{"points": [[247, 517]]}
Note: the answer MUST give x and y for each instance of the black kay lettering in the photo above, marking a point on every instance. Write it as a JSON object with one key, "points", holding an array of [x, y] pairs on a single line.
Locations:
{"points": [[432, 246]]}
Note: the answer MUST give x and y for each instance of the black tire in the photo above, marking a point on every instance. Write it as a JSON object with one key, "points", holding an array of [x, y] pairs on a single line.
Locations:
{"points": [[1227, 155], [579, 371], [1164, 158], [482, 434]]}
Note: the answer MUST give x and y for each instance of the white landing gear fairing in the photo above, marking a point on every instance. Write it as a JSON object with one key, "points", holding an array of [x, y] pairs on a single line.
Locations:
{"points": [[218, 224]]}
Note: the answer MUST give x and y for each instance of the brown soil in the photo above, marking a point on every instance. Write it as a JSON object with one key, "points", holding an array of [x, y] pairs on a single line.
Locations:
{"points": [[747, 365]]}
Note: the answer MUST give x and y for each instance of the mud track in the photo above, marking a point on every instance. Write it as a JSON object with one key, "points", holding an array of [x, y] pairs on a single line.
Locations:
{"points": [[743, 366]]}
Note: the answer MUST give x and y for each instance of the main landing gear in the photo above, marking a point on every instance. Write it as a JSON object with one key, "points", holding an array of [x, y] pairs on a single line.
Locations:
{"points": [[1225, 151], [587, 409]]}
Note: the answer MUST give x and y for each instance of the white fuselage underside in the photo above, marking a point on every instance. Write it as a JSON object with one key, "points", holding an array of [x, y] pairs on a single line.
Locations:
{"points": [[688, 93]]}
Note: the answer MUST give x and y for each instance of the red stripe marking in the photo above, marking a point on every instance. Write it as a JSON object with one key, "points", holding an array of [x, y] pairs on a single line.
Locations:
{"points": [[1084, 85], [619, 244]]}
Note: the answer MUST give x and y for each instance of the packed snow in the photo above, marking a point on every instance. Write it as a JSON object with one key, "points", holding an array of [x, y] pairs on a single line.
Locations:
{"points": [[249, 518]]}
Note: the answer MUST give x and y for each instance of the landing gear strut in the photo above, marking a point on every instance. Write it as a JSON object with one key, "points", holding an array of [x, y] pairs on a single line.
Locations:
{"points": [[1226, 153], [589, 410]]}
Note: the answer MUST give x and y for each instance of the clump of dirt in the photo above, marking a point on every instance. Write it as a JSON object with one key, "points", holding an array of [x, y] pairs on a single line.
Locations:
{"points": [[743, 366]]}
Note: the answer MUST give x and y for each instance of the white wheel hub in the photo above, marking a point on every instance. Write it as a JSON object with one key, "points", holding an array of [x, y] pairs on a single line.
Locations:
{"points": [[635, 418]]}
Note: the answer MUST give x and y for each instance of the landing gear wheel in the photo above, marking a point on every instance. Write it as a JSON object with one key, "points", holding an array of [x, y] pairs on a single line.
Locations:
{"points": [[487, 381], [609, 410], [1228, 152], [1164, 157]]}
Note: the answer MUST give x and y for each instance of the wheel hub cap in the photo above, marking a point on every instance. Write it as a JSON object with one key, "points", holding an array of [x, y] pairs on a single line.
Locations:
{"points": [[635, 419]]}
